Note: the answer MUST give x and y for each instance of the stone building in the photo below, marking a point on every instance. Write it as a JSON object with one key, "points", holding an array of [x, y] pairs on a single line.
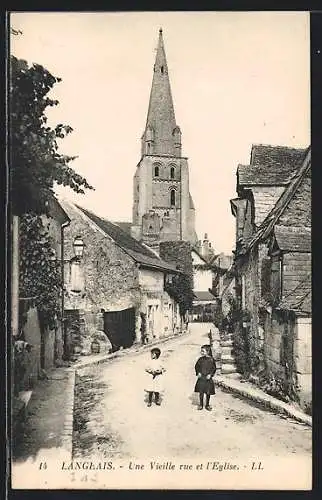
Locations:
{"points": [[273, 263], [205, 249], [221, 263], [116, 287], [47, 345], [163, 209]]}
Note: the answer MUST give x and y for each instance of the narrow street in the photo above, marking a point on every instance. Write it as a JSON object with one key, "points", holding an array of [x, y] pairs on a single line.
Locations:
{"points": [[112, 418]]}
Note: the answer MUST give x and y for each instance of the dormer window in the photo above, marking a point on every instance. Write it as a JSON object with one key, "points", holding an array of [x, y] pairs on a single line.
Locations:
{"points": [[156, 171]]}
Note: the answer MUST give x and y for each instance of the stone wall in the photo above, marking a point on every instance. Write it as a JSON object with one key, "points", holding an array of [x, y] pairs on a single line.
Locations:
{"points": [[303, 359], [294, 332], [273, 333], [265, 198], [250, 292], [110, 276], [32, 335], [296, 268]]}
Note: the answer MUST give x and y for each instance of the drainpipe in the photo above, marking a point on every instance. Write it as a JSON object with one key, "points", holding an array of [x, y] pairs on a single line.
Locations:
{"points": [[62, 265]]}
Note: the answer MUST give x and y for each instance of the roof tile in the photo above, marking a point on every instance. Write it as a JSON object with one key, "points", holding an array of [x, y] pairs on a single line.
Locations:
{"points": [[294, 239], [270, 165], [139, 252]]}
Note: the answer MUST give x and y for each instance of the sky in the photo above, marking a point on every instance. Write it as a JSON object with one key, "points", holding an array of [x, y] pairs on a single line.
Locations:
{"points": [[237, 79]]}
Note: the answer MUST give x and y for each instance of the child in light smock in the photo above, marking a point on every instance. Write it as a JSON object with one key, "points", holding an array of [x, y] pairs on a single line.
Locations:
{"points": [[154, 375]]}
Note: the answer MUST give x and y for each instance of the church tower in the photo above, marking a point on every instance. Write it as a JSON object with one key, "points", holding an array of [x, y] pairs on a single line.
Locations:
{"points": [[163, 209]]}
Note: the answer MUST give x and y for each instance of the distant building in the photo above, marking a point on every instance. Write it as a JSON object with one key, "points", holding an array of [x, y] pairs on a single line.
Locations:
{"points": [[116, 287], [205, 248], [204, 301]]}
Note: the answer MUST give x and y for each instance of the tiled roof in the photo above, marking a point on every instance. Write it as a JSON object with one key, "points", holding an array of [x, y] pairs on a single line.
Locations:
{"points": [[204, 296], [139, 252], [293, 239], [270, 165], [261, 175], [272, 218], [279, 156], [126, 226], [300, 299]]}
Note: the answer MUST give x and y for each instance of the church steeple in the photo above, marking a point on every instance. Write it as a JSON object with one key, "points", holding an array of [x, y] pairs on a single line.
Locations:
{"points": [[162, 136]]}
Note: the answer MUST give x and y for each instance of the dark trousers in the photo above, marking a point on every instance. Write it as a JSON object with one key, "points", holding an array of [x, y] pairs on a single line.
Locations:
{"points": [[201, 398], [156, 396]]}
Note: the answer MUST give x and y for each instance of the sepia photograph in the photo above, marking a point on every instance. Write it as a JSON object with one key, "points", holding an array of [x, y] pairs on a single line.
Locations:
{"points": [[160, 250]]}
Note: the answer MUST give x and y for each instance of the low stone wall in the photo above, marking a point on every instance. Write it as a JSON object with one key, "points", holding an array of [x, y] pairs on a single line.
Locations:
{"points": [[303, 360]]}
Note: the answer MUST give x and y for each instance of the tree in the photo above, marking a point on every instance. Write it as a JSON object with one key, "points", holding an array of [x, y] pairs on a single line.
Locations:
{"points": [[181, 288], [35, 163], [35, 166]]}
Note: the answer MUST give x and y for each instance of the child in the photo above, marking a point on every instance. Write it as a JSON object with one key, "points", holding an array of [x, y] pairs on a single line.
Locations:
{"points": [[154, 378], [205, 370]]}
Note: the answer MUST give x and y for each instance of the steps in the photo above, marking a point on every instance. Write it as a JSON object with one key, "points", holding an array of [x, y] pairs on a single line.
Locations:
{"points": [[228, 365]]}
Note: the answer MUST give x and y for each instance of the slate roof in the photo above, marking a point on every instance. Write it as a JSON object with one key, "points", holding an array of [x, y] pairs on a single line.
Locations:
{"points": [[126, 226], [139, 252], [272, 218], [300, 298], [270, 165], [293, 239], [204, 296]]}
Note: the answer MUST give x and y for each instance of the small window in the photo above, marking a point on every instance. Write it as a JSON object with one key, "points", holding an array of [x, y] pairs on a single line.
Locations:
{"points": [[172, 197], [150, 227], [156, 171], [162, 70], [172, 172]]}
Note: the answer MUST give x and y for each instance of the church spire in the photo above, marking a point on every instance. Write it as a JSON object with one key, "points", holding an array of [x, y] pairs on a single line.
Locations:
{"points": [[162, 135]]}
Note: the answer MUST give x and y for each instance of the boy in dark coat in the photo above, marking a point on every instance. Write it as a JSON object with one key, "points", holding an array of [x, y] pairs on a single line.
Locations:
{"points": [[205, 370]]}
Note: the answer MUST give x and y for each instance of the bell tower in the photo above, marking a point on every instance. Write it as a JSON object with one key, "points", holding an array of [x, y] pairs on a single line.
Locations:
{"points": [[162, 205]]}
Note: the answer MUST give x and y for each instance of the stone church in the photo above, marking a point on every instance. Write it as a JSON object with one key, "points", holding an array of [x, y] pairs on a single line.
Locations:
{"points": [[163, 208]]}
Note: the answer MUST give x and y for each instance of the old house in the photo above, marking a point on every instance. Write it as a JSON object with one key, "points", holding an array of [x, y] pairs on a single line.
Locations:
{"points": [[273, 262], [220, 263], [47, 345], [115, 285]]}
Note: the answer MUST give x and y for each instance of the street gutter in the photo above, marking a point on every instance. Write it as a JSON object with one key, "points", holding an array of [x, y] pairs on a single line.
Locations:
{"points": [[265, 400]]}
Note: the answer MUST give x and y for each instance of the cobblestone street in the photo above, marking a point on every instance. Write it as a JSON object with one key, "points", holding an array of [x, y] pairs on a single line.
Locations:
{"points": [[112, 419]]}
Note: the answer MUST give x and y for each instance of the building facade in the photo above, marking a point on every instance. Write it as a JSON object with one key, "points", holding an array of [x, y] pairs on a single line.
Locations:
{"points": [[116, 287], [163, 209], [273, 266]]}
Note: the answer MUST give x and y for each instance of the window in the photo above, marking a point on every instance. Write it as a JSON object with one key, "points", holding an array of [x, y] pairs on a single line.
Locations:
{"points": [[162, 69], [172, 172], [172, 197], [156, 171]]}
